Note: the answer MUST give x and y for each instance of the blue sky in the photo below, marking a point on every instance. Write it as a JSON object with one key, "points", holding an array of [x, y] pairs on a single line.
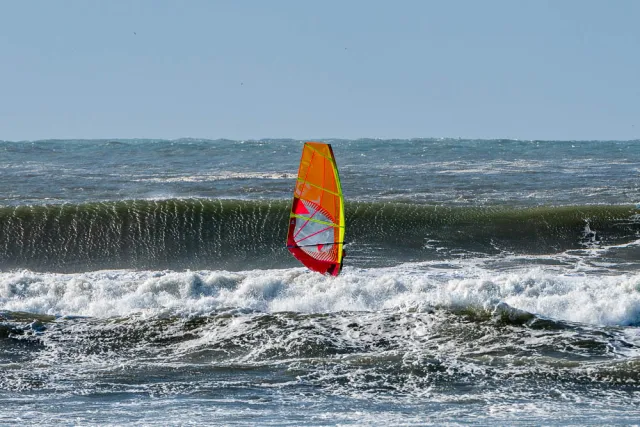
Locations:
{"points": [[539, 69]]}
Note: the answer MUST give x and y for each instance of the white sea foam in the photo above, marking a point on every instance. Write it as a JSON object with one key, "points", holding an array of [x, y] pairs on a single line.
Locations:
{"points": [[571, 295], [218, 176]]}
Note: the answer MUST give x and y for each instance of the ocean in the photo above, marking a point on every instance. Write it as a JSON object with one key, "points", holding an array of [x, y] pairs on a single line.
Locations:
{"points": [[489, 282]]}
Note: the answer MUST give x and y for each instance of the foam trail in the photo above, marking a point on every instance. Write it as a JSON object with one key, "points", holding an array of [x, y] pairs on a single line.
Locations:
{"points": [[580, 297]]}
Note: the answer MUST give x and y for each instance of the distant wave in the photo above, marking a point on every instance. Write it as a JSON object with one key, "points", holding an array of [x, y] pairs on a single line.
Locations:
{"points": [[233, 234]]}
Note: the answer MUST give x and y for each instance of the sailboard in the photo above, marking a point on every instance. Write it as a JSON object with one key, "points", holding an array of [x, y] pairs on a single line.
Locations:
{"points": [[316, 222]]}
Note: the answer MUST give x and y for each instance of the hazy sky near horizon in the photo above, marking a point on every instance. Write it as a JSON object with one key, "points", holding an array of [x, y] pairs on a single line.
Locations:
{"points": [[555, 69]]}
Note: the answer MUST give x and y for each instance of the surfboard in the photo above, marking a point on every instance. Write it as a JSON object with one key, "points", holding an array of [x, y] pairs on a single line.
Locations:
{"points": [[316, 222]]}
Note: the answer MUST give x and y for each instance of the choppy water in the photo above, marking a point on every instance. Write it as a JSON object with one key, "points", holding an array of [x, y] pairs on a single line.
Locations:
{"points": [[490, 282]]}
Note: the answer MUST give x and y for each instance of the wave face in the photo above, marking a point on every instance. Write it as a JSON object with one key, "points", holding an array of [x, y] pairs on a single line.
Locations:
{"points": [[228, 234]]}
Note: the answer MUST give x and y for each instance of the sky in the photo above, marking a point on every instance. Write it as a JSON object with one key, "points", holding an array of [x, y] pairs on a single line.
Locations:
{"points": [[252, 69]]}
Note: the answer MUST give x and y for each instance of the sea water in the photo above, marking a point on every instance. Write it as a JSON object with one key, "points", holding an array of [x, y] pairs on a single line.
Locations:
{"points": [[487, 281]]}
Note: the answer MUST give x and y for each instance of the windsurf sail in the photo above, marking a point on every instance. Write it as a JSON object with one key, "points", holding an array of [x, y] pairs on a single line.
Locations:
{"points": [[316, 222]]}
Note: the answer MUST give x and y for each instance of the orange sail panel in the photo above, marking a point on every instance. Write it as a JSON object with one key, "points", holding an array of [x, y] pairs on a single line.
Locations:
{"points": [[316, 222]]}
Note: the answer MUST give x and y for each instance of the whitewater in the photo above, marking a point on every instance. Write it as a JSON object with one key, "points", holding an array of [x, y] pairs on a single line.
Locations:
{"points": [[487, 282]]}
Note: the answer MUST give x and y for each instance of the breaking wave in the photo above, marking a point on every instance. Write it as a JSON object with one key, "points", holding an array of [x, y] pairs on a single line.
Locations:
{"points": [[236, 235]]}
